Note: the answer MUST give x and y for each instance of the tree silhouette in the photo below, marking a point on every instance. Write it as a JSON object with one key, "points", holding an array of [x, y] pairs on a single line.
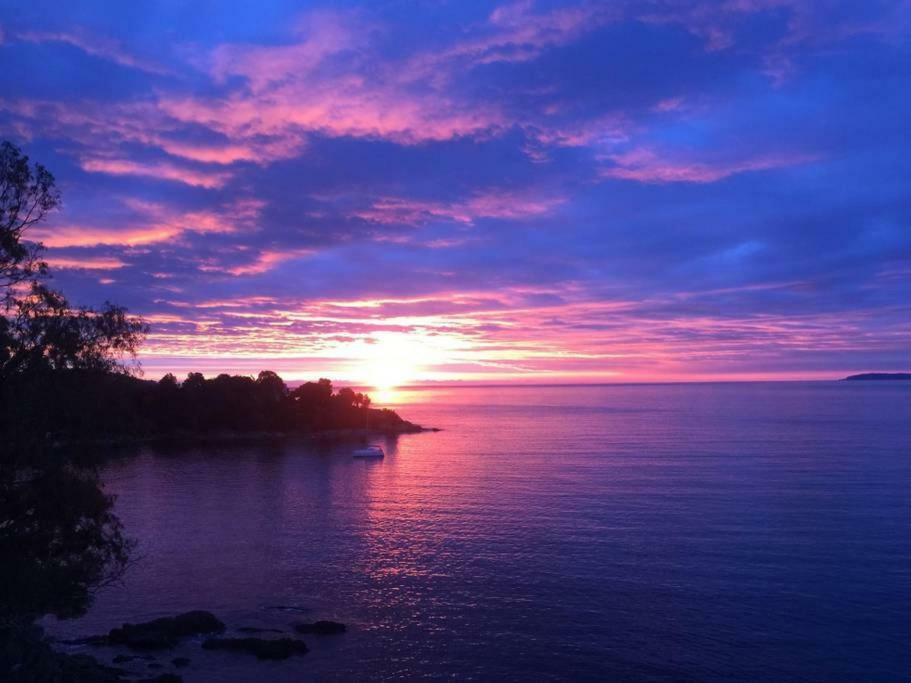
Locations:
{"points": [[42, 332], [59, 538], [39, 329], [27, 194], [168, 382]]}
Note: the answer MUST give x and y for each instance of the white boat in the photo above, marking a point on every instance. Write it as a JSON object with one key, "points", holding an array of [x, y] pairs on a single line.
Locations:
{"points": [[369, 452]]}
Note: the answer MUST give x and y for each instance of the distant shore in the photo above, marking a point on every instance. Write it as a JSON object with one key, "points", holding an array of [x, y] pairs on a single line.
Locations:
{"points": [[878, 376]]}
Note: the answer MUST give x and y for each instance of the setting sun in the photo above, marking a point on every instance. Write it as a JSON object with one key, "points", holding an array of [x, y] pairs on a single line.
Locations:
{"points": [[390, 361]]}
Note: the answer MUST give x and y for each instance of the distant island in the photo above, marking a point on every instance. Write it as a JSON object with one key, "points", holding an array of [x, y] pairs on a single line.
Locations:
{"points": [[878, 376]]}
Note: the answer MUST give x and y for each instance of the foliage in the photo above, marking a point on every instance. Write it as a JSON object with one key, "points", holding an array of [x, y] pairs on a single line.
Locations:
{"points": [[91, 405], [59, 537], [44, 333], [27, 194], [59, 540]]}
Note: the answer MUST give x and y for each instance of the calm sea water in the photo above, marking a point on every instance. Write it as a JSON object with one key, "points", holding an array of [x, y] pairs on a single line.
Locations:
{"points": [[757, 532]]}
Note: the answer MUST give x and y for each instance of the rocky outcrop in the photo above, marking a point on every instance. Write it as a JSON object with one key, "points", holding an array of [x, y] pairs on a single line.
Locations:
{"points": [[125, 659], [262, 648], [164, 633], [26, 657], [321, 628]]}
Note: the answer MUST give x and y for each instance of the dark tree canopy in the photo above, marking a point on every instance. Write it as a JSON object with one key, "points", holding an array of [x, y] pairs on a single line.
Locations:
{"points": [[27, 194], [59, 541], [39, 329], [59, 537], [79, 406], [42, 332]]}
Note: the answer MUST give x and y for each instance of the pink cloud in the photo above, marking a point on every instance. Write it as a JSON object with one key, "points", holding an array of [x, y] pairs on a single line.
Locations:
{"points": [[815, 23], [513, 33], [163, 170], [103, 128], [447, 243], [506, 335], [669, 104], [328, 80], [346, 105], [219, 154], [84, 262], [320, 35], [87, 236], [505, 205], [812, 24], [149, 223], [320, 83], [262, 262], [646, 165], [267, 260], [516, 32], [608, 130]]}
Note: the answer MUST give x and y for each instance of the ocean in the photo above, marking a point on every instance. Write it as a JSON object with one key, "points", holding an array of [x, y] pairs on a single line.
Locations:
{"points": [[679, 532]]}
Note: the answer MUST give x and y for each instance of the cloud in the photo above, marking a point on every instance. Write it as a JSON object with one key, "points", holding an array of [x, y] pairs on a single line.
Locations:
{"points": [[145, 222], [483, 336], [160, 170], [95, 46], [515, 32], [647, 166], [815, 25], [263, 262], [84, 262], [326, 82], [339, 107], [503, 205]]}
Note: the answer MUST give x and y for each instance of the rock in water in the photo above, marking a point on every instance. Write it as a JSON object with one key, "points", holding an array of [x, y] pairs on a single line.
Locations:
{"points": [[280, 648], [26, 657], [164, 633], [321, 628], [123, 659]]}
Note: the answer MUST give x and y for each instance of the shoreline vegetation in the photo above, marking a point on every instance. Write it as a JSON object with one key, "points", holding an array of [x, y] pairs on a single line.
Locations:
{"points": [[230, 436], [88, 407]]}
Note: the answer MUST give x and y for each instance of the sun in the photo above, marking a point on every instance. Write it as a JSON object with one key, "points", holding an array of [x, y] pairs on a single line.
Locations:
{"points": [[388, 362], [385, 376]]}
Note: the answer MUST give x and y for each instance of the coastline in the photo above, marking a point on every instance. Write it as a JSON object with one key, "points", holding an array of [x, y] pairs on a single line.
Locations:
{"points": [[234, 436]]}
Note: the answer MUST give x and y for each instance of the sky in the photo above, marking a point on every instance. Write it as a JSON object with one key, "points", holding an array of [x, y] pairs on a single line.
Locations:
{"points": [[443, 190]]}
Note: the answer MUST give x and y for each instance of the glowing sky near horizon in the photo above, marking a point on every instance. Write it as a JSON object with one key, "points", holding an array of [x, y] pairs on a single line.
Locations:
{"points": [[392, 192]]}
